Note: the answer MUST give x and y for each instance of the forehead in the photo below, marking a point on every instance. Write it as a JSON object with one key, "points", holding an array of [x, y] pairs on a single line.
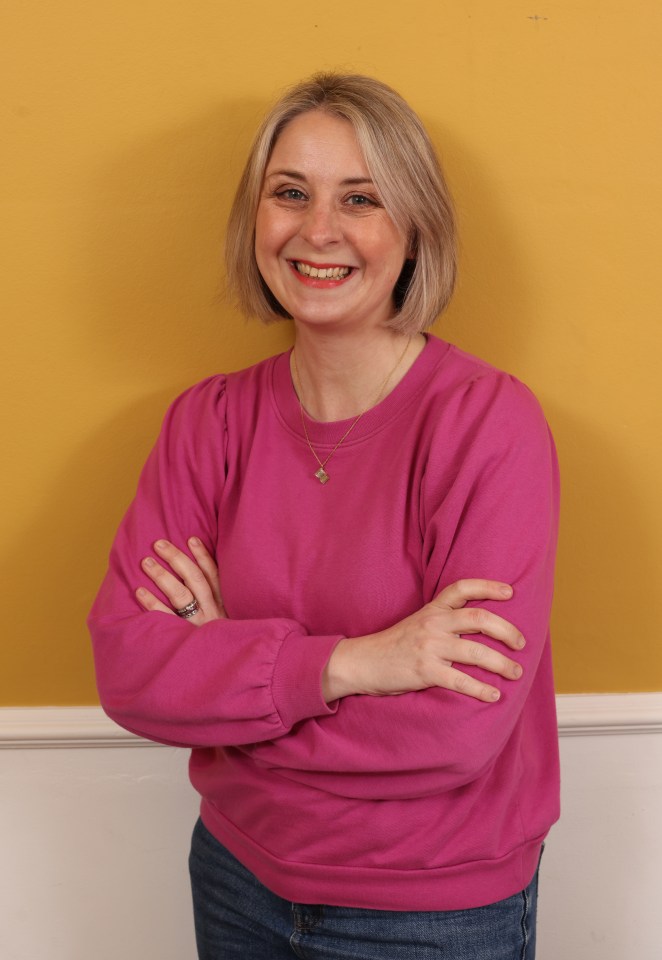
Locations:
{"points": [[317, 141]]}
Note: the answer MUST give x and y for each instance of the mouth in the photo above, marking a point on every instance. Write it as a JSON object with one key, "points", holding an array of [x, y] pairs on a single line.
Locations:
{"points": [[320, 272]]}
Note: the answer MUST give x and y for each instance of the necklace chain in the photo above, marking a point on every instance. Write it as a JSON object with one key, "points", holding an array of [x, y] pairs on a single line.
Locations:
{"points": [[322, 474]]}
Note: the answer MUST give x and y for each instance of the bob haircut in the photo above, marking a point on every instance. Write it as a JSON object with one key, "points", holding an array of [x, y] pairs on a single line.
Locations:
{"points": [[406, 172]]}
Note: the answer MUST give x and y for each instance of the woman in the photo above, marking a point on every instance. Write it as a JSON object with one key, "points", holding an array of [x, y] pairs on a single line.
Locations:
{"points": [[353, 748]]}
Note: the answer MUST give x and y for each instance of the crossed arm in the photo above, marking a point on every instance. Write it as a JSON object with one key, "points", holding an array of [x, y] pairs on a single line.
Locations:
{"points": [[421, 651], [299, 702]]}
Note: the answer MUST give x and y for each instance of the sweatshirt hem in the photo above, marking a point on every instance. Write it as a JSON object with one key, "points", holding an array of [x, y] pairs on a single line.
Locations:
{"points": [[453, 887]]}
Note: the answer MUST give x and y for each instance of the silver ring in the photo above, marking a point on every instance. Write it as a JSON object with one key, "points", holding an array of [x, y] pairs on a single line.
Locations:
{"points": [[189, 610]]}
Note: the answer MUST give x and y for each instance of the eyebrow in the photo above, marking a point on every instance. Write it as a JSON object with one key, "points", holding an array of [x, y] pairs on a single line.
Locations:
{"points": [[294, 175]]}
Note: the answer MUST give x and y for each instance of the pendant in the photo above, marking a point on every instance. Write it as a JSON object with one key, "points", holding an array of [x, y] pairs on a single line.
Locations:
{"points": [[322, 475]]}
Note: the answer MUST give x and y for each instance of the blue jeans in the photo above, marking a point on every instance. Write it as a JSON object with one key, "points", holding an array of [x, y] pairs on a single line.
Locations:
{"points": [[237, 918]]}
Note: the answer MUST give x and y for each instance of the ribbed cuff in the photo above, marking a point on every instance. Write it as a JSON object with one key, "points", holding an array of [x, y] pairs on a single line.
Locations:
{"points": [[296, 683]]}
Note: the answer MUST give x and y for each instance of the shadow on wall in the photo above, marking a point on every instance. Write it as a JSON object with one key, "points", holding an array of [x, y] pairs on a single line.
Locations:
{"points": [[604, 528], [495, 300]]}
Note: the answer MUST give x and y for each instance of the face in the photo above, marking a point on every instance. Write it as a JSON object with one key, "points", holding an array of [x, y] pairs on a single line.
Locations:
{"points": [[324, 244]]}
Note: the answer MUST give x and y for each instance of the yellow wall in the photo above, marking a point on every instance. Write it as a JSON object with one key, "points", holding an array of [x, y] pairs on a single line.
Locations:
{"points": [[124, 128]]}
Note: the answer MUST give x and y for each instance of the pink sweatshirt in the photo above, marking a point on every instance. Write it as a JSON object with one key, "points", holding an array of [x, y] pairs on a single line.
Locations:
{"points": [[426, 801]]}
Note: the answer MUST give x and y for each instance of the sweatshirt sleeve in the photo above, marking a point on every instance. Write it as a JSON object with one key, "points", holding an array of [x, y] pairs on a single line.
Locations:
{"points": [[229, 681], [491, 513]]}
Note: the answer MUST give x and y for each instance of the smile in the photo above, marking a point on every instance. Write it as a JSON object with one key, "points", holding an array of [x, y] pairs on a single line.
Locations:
{"points": [[320, 273]]}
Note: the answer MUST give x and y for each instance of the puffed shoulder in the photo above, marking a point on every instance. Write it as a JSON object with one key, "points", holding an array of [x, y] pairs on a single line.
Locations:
{"points": [[197, 417], [510, 402], [207, 397], [490, 401]]}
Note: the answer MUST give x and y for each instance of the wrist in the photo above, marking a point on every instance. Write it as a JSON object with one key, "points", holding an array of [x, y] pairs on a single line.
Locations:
{"points": [[339, 674]]}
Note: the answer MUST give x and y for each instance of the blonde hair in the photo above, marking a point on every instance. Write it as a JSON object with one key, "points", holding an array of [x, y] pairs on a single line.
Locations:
{"points": [[405, 169]]}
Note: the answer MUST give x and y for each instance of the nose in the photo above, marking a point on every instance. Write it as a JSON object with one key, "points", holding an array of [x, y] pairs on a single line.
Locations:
{"points": [[321, 223]]}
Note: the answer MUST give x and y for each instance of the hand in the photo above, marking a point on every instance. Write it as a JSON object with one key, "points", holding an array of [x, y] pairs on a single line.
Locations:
{"points": [[195, 580], [419, 651]]}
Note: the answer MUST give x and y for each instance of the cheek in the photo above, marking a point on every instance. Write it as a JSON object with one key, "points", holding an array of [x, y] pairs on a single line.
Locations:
{"points": [[272, 227], [389, 247], [393, 262], [261, 231], [266, 242]]}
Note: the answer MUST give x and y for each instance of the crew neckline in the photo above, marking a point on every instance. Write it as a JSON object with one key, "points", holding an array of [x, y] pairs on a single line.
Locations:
{"points": [[327, 433]]}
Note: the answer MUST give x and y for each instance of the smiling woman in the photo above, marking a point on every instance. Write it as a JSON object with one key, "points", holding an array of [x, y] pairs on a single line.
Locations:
{"points": [[313, 223], [400, 167], [308, 588]]}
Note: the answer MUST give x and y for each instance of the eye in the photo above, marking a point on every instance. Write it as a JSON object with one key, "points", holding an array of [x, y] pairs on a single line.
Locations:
{"points": [[360, 200], [291, 193]]}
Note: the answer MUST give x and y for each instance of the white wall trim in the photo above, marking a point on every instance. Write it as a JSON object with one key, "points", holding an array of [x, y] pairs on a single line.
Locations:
{"points": [[597, 714], [603, 714], [26, 727]]}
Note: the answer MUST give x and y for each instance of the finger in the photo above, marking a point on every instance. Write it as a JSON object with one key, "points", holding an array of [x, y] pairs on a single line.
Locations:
{"points": [[457, 594], [452, 679], [187, 570], [208, 566], [170, 586], [150, 602], [479, 655], [477, 620]]}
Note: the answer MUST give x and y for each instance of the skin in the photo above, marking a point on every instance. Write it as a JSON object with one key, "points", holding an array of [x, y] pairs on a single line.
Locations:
{"points": [[319, 207], [421, 651]]}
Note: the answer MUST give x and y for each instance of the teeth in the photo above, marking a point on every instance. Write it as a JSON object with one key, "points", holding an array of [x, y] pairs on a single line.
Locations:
{"points": [[322, 273]]}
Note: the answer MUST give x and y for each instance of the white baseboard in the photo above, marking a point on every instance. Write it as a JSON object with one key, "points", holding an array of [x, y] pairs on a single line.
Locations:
{"points": [[578, 715], [39, 727], [604, 714]]}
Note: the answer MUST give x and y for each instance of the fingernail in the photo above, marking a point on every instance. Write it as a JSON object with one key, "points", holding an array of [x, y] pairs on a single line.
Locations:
{"points": [[140, 592], [161, 544], [194, 541], [148, 562], [495, 694], [517, 671], [506, 591], [521, 643]]}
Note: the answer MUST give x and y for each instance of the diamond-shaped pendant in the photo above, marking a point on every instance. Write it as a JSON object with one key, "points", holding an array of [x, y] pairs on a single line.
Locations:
{"points": [[322, 475]]}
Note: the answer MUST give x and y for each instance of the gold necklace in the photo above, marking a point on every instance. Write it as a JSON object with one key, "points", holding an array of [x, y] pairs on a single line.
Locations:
{"points": [[321, 474]]}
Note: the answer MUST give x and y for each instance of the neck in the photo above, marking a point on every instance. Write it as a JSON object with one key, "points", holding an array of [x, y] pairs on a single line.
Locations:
{"points": [[341, 377]]}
